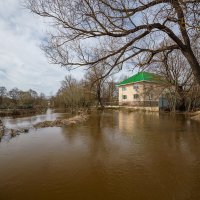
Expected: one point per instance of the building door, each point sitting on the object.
(163, 103)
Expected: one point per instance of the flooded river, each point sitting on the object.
(115, 155)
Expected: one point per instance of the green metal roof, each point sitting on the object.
(142, 76)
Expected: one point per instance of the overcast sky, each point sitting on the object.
(22, 62)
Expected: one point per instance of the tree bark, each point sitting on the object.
(99, 97)
(194, 64)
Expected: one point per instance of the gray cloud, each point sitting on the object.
(22, 63)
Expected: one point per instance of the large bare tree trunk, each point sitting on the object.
(194, 64)
(182, 103)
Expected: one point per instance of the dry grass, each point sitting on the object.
(62, 122)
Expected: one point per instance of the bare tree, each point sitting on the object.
(14, 94)
(111, 91)
(181, 86)
(33, 94)
(126, 29)
(95, 81)
(71, 94)
(99, 79)
(3, 91)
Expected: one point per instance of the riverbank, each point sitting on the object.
(194, 115)
(18, 112)
(133, 108)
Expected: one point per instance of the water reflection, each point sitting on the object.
(156, 130)
(29, 121)
(114, 155)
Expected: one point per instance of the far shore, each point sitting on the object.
(194, 115)
(18, 112)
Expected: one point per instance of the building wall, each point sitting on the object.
(140, 94)
(129, 91)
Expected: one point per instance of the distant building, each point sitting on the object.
(142, 89)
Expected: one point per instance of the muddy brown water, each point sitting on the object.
(115, 155)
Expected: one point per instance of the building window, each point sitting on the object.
(123, 88)
(136, 96)
(150, 96)
(124, 96)
(136, 87)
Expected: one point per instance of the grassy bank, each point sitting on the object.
(63, 122)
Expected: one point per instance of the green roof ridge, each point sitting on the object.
(142, 76)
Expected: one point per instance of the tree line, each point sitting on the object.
(18, 99)
(90, 91)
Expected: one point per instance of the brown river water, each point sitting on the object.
(115, 155)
